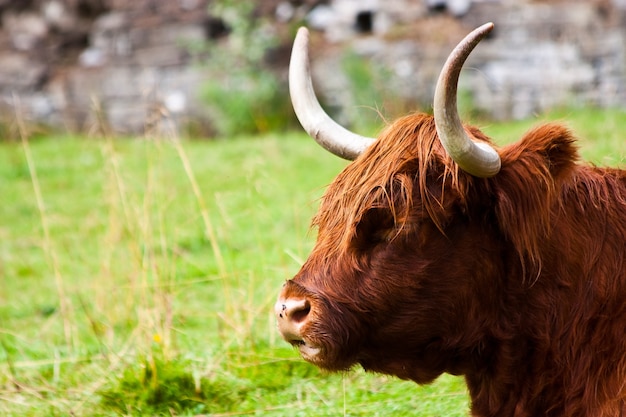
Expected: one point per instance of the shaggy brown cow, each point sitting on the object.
(438, 252)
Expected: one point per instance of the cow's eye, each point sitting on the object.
(376, 226)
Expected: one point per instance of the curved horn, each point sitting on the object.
(328, 133)
(476, 158)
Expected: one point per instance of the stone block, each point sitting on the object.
(20, 73)
(160, 56)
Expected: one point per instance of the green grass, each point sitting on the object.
(137, 277)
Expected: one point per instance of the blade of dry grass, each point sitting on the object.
(47, 244)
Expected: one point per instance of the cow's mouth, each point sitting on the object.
(308, 351)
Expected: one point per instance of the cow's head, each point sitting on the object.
(404, 233)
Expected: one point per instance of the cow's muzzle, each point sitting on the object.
(292, 315)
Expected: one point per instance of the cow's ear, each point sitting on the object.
(550, 148)
(375, 226)
(528, 185)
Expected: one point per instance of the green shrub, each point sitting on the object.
(157, 386)
(243, 94)
(373, 99)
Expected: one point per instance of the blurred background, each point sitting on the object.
(218, 67)
(138, 277)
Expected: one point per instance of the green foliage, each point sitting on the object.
(366, 90)
(370, 94)
(161, 386)
(244, 95)
(248, 101)
(158, 386)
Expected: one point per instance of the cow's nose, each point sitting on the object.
(292, 315)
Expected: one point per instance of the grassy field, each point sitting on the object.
(137, 277)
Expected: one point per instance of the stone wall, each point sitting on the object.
(542, 54)
(59, 59)
(545, 55)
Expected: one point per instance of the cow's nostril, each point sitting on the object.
(301, 314)
(294, 310)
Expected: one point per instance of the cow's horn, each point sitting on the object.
(476, 158)
(328, 133)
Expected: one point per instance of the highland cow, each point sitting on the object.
(438, 251)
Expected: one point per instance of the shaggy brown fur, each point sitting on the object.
(517, 282)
